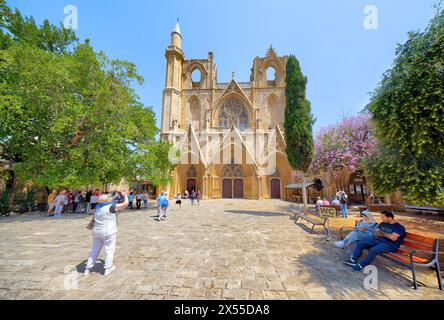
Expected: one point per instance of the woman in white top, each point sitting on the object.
(93, 201)
(59, 203)
(104, 231)
(179, 200)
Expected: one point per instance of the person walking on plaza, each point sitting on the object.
(139, 199)
(88, 201)
(104, 232)
(145, 199)
(65, 201)
(76, 206)
(59, 204)
(164, 207)
(51, 203)
(179, 200)
(198, 195)
(192, 197)
(94, 200)
(388, 238)
(159, 204)
(342, 196)
(131, 199)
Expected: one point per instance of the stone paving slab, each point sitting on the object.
(222, 249)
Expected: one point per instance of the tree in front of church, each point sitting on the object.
(407, 109)
(344, 145)
(298, 121)
(70, 116)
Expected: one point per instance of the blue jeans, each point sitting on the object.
(344, 210)
(375, 247)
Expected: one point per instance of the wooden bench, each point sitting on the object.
(293, 210)
(312, 218)
(407, 255)
(337, 208)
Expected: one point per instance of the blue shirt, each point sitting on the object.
(392, 228)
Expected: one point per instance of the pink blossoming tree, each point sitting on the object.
(344, 145)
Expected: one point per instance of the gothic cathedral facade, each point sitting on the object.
(229, 137)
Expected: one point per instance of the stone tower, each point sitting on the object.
(173, 81)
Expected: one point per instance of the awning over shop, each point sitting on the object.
(299, 185)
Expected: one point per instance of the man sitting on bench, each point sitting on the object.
(388, 238)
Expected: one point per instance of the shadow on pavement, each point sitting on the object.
(258, 213)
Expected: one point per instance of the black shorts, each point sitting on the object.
(93, 205)
(178, 201)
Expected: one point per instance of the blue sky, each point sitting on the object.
(342, 60)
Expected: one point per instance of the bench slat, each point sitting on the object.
(404, 257)
(418, 238)
(417, 245)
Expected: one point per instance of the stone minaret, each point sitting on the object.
(173, 83)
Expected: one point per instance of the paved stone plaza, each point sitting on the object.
(223, 249)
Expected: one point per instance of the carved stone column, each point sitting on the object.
(259, 189)
(205, 187)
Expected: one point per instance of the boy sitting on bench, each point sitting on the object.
(388, 238)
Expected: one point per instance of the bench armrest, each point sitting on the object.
(426, 251)
(433, 253)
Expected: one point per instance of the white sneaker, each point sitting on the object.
(108, 271)
(340, 244)
(86, 272)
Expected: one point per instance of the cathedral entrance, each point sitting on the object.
(227, 190)
(191, 185)
(275, 186)
(238, 191)
(232, 183)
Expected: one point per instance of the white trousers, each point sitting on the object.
(58, 210)
(109, 244)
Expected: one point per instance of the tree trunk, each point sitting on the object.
(304, 193)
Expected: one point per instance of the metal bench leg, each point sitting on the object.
(415, 284)
(326, 230)
(438, 274)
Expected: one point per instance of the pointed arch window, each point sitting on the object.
(195, 113)
(272, 109)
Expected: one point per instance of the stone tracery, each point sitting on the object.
(232, 113)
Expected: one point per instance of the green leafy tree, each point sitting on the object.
(408, 108)
(70, 116)
(298, 120)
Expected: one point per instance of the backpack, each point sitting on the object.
(343, 198)
(165, 202)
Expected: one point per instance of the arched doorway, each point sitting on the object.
(227, 190)
(238, 190)
(232, 183)
(275, 186)
(191, 179)
(191, 185)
